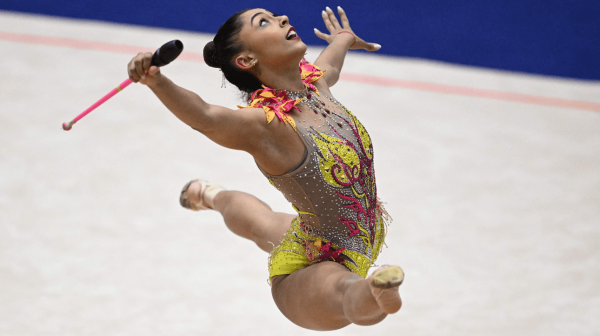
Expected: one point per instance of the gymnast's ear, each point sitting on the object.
(245, 61)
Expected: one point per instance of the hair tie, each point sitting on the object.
(345, 31)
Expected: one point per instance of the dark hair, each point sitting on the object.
(220, 53)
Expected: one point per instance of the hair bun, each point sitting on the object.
(210, 55)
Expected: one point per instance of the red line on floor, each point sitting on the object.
(350, 77)
(89, 45)
(471, 92)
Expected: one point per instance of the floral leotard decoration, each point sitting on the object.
(280, 104)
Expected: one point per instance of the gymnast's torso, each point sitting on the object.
(333, 188)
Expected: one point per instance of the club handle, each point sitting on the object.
(163, 56)
(167, 53)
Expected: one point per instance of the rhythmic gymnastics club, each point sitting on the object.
(162, 56)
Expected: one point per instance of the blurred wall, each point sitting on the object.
(550, 37)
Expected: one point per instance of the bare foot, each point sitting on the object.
(384, 284)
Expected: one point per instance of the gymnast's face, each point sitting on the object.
(269, 40)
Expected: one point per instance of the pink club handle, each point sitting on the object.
(161, 57)
(119, 88)
(109, 95)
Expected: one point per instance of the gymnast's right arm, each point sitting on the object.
(235, 129)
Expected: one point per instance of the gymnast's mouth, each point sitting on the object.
(292, 34)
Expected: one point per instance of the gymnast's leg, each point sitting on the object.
(248, 217)
(244, 214)
(327, 296)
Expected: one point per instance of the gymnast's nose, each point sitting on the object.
(283, 20)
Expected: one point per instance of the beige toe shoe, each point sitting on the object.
(206, 195)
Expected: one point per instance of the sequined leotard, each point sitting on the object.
(333, 189)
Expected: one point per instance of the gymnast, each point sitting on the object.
(312, 149)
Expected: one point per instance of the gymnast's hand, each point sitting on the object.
(335, 30)
(141, 70)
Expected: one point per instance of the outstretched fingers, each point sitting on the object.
(335, 28)
(327, 21)
(321, 35)
(343, 17)
(372, 46)
(333, 19)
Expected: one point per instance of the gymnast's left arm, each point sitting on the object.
(340, 39)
